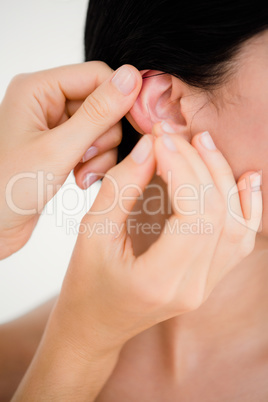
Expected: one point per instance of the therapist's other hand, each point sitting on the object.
(51, 122)
(117, 294)
(109, 295)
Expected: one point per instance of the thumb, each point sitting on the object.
(101, 110)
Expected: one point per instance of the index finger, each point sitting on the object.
(50, 89)
(77, 81)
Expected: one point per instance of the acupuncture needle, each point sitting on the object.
(153, 75)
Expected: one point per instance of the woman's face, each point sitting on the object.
(237, 118)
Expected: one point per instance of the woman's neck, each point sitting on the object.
(234, 317)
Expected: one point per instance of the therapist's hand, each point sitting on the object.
(120, 294)
(51, 122)
(109, 295)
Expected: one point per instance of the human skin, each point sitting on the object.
(235, 114)
(218, 352)
(60, 114)
(48, 121)
(19, 340)
(105, 299)
(196, 355)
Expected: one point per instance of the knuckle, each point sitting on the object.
(163, 295)
(18, 80)
(235, 232)
(111, 157)
(246, 247)
(101, 71)
(110, 139)
(95, 109)
(106, 163)
(191, 302)
(155, 297)
(116, 135)
(193, 295)
(101, 65)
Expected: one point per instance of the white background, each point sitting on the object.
(35, 35)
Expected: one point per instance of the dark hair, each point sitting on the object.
(194, 41)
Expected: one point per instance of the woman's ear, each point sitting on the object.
(159, 99)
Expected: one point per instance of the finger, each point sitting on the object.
(109, 140)
(100, 111)
(72, 106)
(76, 81)
(189, 181)
(221, 173)
(187, 150)
(251, 201)
(124, 183)
(174, 154)
(48, 90)
(95, 169)
(251, 204)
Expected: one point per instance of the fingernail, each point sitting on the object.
(207, 141)
(255, 181)
(89, 179)
(167, 127)
(125, 80)
(142, 149)
(90, 153)
(169, 143)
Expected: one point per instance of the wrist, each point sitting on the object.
(88, 342)
(65, 368)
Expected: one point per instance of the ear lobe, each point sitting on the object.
(157, 101)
